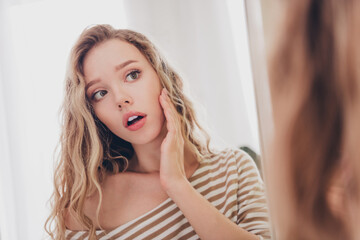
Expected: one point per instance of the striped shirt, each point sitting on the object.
(229, 180)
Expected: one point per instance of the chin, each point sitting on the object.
(154, 134)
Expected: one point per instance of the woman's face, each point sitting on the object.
(124, 91)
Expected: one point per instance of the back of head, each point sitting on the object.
(315, 86)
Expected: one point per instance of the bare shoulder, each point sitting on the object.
(114, 184)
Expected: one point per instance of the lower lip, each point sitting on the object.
(137, 125)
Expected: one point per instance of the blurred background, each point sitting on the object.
(207, 41)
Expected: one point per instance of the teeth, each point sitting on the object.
(132, 118)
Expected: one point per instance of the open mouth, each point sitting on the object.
(134, 119)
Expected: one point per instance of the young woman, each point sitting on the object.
(134, 161)
(315, 83)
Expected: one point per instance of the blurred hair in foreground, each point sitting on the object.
(314, 167)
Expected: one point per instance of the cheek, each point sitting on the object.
(103, 114)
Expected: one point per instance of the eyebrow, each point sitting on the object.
(117, 68)
(124, 64)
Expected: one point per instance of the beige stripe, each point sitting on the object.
(246, 184)
(233, 215)
(265, 233)
(143, 219)
(221, 162)
(154, 223)
(248, 174)
(221, 192)
(177, 231)
(249, 227)
(71, 234)
(223, 187)
(224, 192)
(212, 163)
(221, 205)
(252, 186)
(260, 201)
(221, 155)
(244, 158)
(196, 175)
(166, 227)
(246, 192)
(249, 169)
(256, 209)
(229, 206)
(256, 196)
(111, 238)
(82, 237)
(214, 178)
(188, 235)
(100, 235)
(200, 175)
(243, 162)
(254, 219)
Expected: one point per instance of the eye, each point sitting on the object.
(99, 95)
(133, 75)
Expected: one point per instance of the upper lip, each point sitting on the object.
(130, 114)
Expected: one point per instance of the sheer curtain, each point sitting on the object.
(8, 229)
(205, 40)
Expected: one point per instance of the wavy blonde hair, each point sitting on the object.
(315, 83)
(88, 149)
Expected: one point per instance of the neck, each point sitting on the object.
(147, 157)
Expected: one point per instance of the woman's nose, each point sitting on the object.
(123, 99)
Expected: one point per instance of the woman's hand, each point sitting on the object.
(206, 220)
(172, 171)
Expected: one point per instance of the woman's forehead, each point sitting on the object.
(113, 49)
(110, 54)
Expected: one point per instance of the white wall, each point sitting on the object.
(39, 37)
(200, 38)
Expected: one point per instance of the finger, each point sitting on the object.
(168, 107)
(169, 111)
(165, 94)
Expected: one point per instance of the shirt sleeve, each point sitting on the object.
(253, 213)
